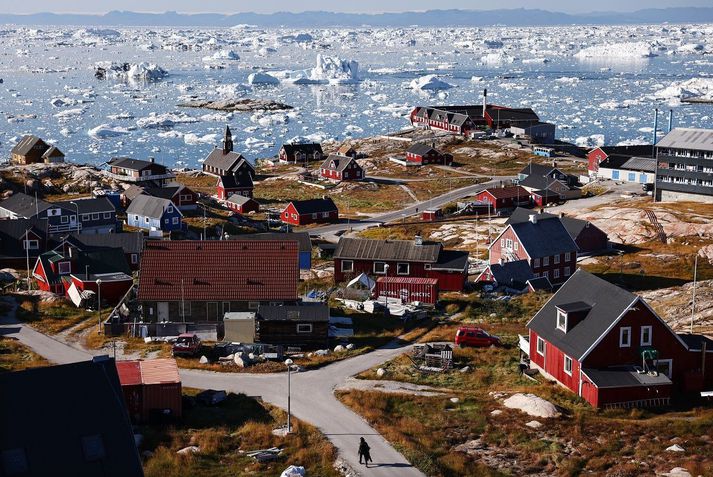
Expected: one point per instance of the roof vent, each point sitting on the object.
(418, 240)
(533, 218)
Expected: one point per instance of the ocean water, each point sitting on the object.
(49, 88)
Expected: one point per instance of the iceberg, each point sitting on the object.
(695, 87)
(104, 131)
(126, 71)
(429, 83)
(617, 51)
(262, 78)
(193, 139)
(329, 70)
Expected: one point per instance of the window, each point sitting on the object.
(184, 308)
(646, 336)
(566, 271)
(30, 244)
(136, 218)
(64, 268)
(380, 268)
(325, 215)
(175, 221)
(556, 273)
(561, 320)
(85, 217)
(169, 209)
(540, 346)
(568, 365)
(545, 261)
(536, 262)
(314, 216)
(166, 221)
(546, 274)
(134, 258)
(107, 215)
(95, 216)
(557, 259)
(64, 219)
(347, 265)
(253, 305)
(567, 257)
(625, 337)
(427, 266)
(502, 243)
(146, 219)
(508, 243)
(516, 246)
(304, 328)
(402, 269)
(294, 216)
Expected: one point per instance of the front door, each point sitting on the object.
(162, 311)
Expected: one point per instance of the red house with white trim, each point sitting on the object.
(608, 346)
(423, 154)
(241, 204)
(241, 184)
(504, 199)
(341, 168)
(313, 211)
(401, 258)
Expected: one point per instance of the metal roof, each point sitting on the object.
(24, 205)
(340, 162)
(646, 164)
(408, 280)
(88, 206)
(314, 312)
(149, 206)
(624, 377)
(406, 250)
(26, 144)
(688, 138)
(313, 206)
(151, 371)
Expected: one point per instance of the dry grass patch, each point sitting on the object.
(14, 356)
(51, 318)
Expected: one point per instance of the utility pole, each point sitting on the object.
(27, 256)
(693, 303)
(288, 363)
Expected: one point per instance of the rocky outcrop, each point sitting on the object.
(239, 105)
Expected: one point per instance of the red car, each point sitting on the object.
(187, 344)
(475, 337)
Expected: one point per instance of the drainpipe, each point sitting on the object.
(656, 124)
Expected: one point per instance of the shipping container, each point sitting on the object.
(408, 289)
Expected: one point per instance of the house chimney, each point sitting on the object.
(485, 100)
(561, 215)
(152, 160)
(670, 120)
(554, 164)
(533, 218)
(418, 240)
(501, 261)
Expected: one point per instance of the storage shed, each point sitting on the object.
(408, 289)
(152, 389)
(239, 327)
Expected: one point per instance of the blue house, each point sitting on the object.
(154, 213)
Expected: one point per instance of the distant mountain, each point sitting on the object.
(430, 18)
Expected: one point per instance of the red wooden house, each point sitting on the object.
(297, 153)
(588, 237)
(504, 199)
(401, 258)
(241, 204)
(608, 346)
(599, 154)
(545, 244)
(241, 184)
(151, 388)
(341, 168)
(423, 154)
(313, 211)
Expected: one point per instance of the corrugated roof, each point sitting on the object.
(230, 270)
(646, 164)
(151, 371)
(26, 144)
(149, 206)
(314, 312)
(406, 250)
(340, 162)
(688, 138)
(133, 164)
(421, 149)
(408, 280)
(508, 192)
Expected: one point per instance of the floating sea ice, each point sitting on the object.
(104, 131)
(165, 120)
(618, 51)
(429, 83)
(193, 139)
(694, 87)
(262, 78)
(232, 90)
(595, 140)
(222, 55)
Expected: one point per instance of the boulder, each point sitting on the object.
(496, 412)
(455, 400)
(203, 360)
(339, 349)
(675, 448)
(350, 346)
(321, 352)
(531, 405)
(471, 447)
(677, 472)
(534, 424)
(380, 372)
(294, 471)
(189, 450)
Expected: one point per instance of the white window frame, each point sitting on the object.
(567, 256)
(567, 271)
(95, 216)
(536, 262)
(64, 219)
(562, 326)
(670, 366)
(650, 329)
(541, 344)
(556, 273)
(86, 217)
(31, 244)
(567, 360)
(304, 328)
(557, 259)
(625, 330)
(351, 266)
(408, 268)
(175, 221)
(107, 215)
(545, 261)
(315, 215)
(147, 220)
(515, 246)
(382, 272)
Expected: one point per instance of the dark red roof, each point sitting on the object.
(152, 371)
(507, 192)
(220, 270)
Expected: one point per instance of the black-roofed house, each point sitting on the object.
(588, 237)
(223, 161)
(401, 258)
(137, 171)
(305, 325)
(512, 277)
(95, 215)
(70, 271)
(131, 243)
(422, 154)
(609, 347)
(154, 214)
(301, 152)
(183, 197)
(548, 184)
(341, 168)
(83, 430)
(240, 183)
(312, 211)
(544, 244)
(21, 241)
(33, 150)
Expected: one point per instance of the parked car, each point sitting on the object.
(187, 344)
(475, 337)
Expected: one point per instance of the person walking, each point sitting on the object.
(364, 452)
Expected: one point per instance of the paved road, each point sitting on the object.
(413, 209)
(312, 393)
